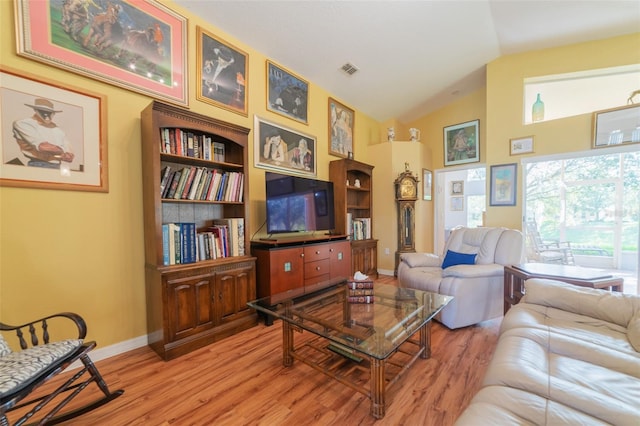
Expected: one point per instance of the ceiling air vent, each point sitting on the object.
(349, 68)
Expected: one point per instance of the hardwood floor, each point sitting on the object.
(241, 381)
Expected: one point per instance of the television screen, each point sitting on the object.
(296, 204)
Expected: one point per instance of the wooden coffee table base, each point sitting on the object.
(340, 368)
(516, 275)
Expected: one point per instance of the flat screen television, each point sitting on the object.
(297, 204)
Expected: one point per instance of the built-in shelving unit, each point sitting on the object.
(197, 299)
(353, 192)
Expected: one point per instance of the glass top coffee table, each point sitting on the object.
(364, 346)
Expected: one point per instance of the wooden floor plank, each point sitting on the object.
(241, 381)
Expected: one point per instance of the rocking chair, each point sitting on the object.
(21, 372)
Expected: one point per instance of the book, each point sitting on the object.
(188, 183)
(235, 234)
(164, 177)
(361, 292)
(174, 243)
(223, 180)
(189, 144)
(187, 242)
(175, 181)
(165, 244)
(206, 148)
(360, 299)
(183, 180)
(207, 185)
(195, 184)
(165, 144)
(218, 151)
(356, 284)
(167, 188)
(241, 250)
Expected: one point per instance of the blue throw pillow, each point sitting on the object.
(453, 258)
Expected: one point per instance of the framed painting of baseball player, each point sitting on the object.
(222, 73)
(138, 45)
(52, 137)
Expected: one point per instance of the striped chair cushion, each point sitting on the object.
(4, 347)
(17, 369)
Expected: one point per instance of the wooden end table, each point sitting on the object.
(516, 275)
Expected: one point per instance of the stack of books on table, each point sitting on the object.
(360, 291)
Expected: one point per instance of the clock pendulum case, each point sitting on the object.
(406, 186)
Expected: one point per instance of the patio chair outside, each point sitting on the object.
(539, 250)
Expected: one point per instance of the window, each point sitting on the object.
(591, 202)
(566, 95)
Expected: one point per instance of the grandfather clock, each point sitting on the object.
(406, 195)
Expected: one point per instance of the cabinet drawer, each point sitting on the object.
(313, 269)
(324, 278)
(316, 252)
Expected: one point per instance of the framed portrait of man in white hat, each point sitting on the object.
(51, 137)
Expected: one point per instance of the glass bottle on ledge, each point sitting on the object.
(537, 110)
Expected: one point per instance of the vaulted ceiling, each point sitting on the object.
(412, 56)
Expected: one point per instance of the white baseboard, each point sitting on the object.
(99, 353)
(385, 272)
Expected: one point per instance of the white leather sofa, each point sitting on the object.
(566, 355)
(477, 288)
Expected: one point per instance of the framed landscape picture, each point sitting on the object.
(462, 143)
(287, 94)
(341, 122)
(503, 185)
(222, 73)
(138, 45)
(53, 136)
(282, 149)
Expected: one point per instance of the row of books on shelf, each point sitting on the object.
(179, 142)
(183, 243)
(359, 228)
(360, 291)
(200, 183)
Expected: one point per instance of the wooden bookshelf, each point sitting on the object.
(353, 193)
(198, 301)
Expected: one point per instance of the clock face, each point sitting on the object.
(407, 189)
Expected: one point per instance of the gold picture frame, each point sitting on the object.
(222, 72)
(287, 94)
(523, 145)
(341, 126)
(150, 59)
(616, 126)
(75, 120)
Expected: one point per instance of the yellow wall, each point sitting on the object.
(389, 160)
(467, 108)
(505, 98)
(83, 251)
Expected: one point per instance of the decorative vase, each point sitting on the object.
(538, 110)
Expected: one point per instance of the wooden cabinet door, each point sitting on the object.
(340, 258)
(287, 269)
(365, 257)
(189, 307)
(233, 289)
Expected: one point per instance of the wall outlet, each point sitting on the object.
(386, 251)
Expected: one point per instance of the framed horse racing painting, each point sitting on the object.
(137, 45)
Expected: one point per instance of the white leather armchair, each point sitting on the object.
(477, 288)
